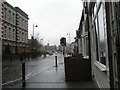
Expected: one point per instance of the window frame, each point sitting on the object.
(96, 40)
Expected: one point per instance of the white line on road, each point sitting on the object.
(26, 77)
(29, 75)
(38, 72)
(5, 68)
(16, 80)
(11, 81)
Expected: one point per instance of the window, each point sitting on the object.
(98, 1)
(5, 13)
(100, 27)
(13, 34)
(9, 34)
(22, 36)
(102, 46)
(4, 34)
(19, 21)
(94, 10)
(10, 16)
(13, 17)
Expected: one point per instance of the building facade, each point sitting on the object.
(74, 48)
(14, 29)
(99, 44)
(82, 36)
(1, 1)
(50, 48)
(0, 30)
(22, 30)
(8, 26)
(101, 22)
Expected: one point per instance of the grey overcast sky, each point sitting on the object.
(55, 18)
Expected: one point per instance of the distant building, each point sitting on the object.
(30, 45)
(59, 48)
(51, 48)
(83, 38)
(74, 48)
(33, 45)
(14, 28)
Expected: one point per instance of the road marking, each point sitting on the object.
(11, 81)
(27, 76)
(5, 68)
(16, 80)
(38, 72)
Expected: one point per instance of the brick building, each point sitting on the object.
(14, 25)
(50, 48)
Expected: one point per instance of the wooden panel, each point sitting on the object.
(77, 69)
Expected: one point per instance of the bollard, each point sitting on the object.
(23, 71)
(23, 74)
(56, 61)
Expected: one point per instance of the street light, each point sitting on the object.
(33, 44)
(33, 29)
(69, 42)
(69, 37)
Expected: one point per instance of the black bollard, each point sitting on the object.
(23, 71)
(56, 61)
(23, 74)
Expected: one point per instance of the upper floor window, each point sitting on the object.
(4, 31)
(5, 13)
(94, 10)
(9, 34)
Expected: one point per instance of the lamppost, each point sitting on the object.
(69, 43)
(33, 40)
(69, 37)
(33, 29)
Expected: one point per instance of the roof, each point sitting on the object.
(10, 6)
(82, 18)
(21, 12)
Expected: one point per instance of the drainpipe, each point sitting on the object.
(118, 43)
(108, 22)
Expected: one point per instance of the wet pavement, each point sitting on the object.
(42, 73)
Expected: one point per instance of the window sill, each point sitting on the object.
(100, 66)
